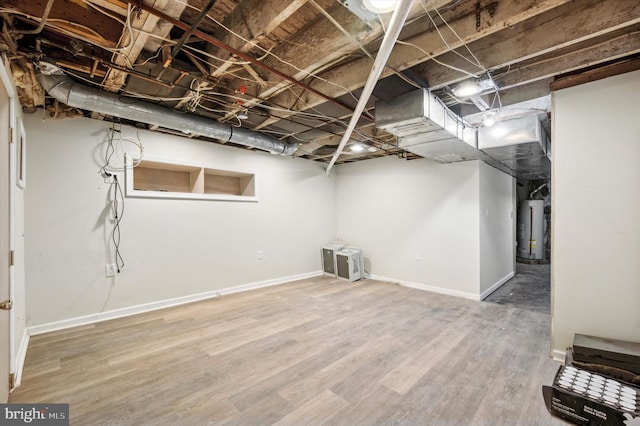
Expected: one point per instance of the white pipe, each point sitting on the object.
(395, 26)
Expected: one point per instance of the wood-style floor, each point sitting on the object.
(317, 351)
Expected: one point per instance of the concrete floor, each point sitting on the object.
(529, 289)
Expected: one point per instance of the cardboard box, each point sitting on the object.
(580, 401)
(608, 352)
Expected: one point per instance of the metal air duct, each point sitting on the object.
(520, 144)
(426, 127)
(80, 96)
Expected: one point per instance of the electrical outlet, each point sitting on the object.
(418, 256)
(259, 254)
(110, 270)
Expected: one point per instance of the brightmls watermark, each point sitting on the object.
(34, 414)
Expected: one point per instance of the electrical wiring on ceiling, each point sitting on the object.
(268, 52)
(206, 95)
(433, 58)
(128, 92)
(465, 44)
(474, 62)
(51, 22)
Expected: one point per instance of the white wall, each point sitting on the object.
(171, 248)
(416, 221)
(497, 228)
(596, 211)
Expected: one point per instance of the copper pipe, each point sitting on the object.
(209, 39)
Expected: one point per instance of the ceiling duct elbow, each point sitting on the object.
(426, 127)
(76, 95)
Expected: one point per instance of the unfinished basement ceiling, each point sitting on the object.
(294, 69)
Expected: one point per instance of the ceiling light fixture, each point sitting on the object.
(242, 115)
(358, 147)
(489, 119)
(380, 6)
(466, 89)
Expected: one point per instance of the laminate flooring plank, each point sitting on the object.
(264, 411)
(314, 412)
(316, 351)
(405, 375)
(241, 337)
(371, 410)
(243, 399)
(299, 392)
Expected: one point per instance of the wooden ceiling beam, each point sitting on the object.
(76, 18)
(142, 23)
(350, 76)
(619, 47)
(564, 26)
(302, 50)
(115, 6)
(596, 74)
(253, 20)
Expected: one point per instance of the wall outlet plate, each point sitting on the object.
(110, 270)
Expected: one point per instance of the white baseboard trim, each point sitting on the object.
(20, 357)
(161, 304)
(425, 287)
(497, 285)
(559, 355)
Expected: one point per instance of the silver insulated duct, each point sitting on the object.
(426, 127)
(80, 96)
(520, 144)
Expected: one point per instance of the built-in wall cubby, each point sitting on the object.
(154, 178)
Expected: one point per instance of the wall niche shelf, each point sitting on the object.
(157, 178)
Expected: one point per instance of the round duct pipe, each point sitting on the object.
(77, 95)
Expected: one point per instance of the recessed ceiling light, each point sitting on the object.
(466, 89)
(358, 147)
(380, 6)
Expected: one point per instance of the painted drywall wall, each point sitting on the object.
(171, 248)
(596, 210)
(416, 221)
(17, 271)
(497, 237)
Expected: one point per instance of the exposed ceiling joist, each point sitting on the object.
(252, 21)
(143, 25)
(621, 46)
(348, 76)
(543, 35)
(320, 53)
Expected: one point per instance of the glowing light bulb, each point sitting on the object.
(380, 6)
(466, 89)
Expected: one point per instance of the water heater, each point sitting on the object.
(531, 229)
